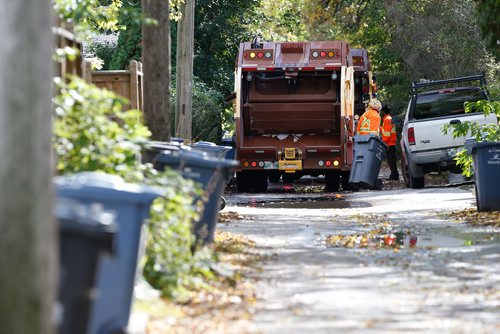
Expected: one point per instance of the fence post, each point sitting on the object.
(87, 71)
(134, 85)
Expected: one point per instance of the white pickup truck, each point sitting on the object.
(424, 146)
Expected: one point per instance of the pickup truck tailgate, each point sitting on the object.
(429, 134)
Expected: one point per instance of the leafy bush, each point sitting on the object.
(481, 132)
(208, 112)
(103, 51)
(92, 133)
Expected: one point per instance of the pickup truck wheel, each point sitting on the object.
(404, 169)
(332, 181)
(415, 182)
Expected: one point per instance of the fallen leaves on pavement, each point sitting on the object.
(483, 218)
(226, 306)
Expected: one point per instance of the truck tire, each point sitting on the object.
(332, 181)
(344, 178)
(274, 176)
(288, 177)
(259, 181)
(415, 182)
(410, 180)
(242, 182)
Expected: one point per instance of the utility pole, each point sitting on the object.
(28, 241)
(156, 69)
(184, 74)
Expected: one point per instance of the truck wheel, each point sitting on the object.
(404, 171)
(332, 181)
(415, 182)
(242, 182)
(288, 177)
(344, 177)
(259, 182)
(274, 177)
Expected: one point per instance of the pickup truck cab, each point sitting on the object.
(424, 146)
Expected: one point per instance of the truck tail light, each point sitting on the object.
(336, 163)
(411, 135)
(254, 164)
(328, 163)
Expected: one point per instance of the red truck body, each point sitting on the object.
(294, 112)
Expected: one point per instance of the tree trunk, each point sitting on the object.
(156, 69)
(28, 246)
(184, 73)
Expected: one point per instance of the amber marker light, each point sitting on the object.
(252, 54)
(336, 163)
(246, 164)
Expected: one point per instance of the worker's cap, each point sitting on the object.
(375, 104)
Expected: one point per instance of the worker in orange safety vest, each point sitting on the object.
(388, 132)
(369, 122)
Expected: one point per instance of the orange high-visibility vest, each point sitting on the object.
(369, 123)
(388, 131)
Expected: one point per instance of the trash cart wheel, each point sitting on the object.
(379, 184)
(222, 203)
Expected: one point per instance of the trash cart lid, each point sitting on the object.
(215, 150)
(192, 158)
(89, 222)
(367, 138)
(98, 186)
(484, 144)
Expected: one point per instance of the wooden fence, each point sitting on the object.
(64, 37)
(127, 83)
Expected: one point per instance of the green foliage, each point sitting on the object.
(220, 27)
(129, 41)
(104, 51)
(89, 15)
(92, 133)
(208, 112)
(489, 20)
(480, 132)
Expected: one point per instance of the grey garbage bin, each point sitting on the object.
(116, 276)
(85, 233)
(210, 173)
(212, 149)
(152, 148)
(369, 151)
(486, 157)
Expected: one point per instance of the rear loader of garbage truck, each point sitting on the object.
(294, 112)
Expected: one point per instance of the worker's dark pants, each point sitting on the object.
(391, 161)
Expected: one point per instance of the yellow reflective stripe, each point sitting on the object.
(393, 130)
(386, 133)
(365, 125)
(374, 132)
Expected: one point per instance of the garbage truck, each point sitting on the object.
(294, 112)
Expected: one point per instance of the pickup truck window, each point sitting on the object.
(446, 102)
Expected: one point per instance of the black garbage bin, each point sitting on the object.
(84, 234)
(369, 151)
(210, 173)
(486, 157)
